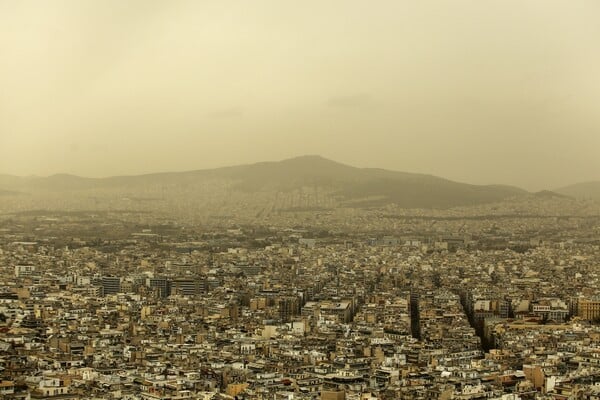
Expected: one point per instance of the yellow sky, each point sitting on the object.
(493, 91)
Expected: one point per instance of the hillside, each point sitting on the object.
(585, 190)
(350, 185)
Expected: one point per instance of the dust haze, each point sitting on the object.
(502, 92)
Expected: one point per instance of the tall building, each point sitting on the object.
(110, 285)
(288, 306)
(188, 286)
(162, 286)
(589, 309)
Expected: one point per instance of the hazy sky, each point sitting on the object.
(493, 91)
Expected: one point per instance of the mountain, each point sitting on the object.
(348, 185)
(585, 190)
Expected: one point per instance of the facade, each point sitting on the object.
(188, 286)
(24, 270)
(589, 310)
(162, 286)
(110, 285)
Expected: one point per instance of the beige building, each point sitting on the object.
(589, 309)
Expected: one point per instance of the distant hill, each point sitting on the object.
(375, 186)
(585, 190)
(356, 186)
(548, 194)
(8, 193)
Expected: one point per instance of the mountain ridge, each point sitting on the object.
(347, 184)
(582, 190)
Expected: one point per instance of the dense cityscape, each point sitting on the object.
(299, 200)
(492, 301)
